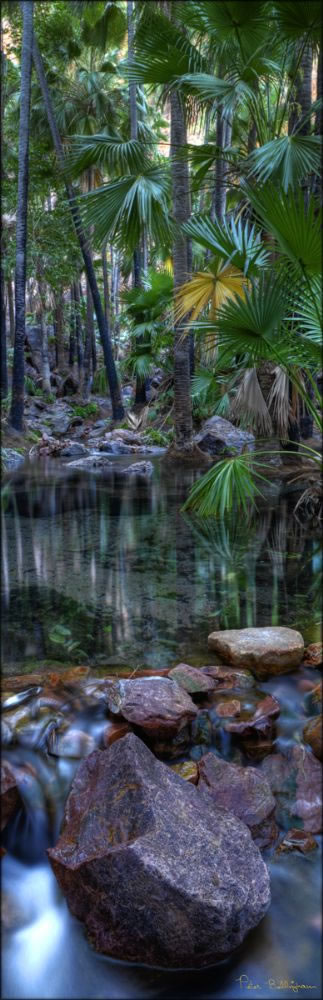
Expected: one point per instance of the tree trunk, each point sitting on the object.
(140, 395)
(319, 113)
(88, 343)
(71, 355)
(4, 368)
(18, 374)
(11, 311)
(115, 392)
(45, 366)
(59, 338)
(302, 95)
(106, 295)
(78, 335)
(179, 169)
(218, 196)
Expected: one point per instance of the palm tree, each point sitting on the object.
(18, 374)
(113, 381)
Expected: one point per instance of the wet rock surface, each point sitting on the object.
(266, 651)
(227, 678)
(157, 705)
(312, 734)
(295, 779)
(191, 679)
(297, 840)
(244, 792)
(10, 795)
(11, 459)
(157, 874)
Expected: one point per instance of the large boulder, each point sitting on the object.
(158, 875)
(220, 438)
(157, 705)
(243, 791)
(268, 650)
(10, 795)
(295, 779)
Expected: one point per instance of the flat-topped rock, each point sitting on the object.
(268, 650)
(158, 874)
(242, 790)
(295, 779)
(156, 704)
(191, 679)
(226, 678)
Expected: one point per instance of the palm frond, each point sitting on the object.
(116, 155)
(121, 210)
(249, 404)
(308, 311)
(230, 483)
(209, 289)
(288, 160)
(299, 20)
(240, 243)
(295, 225)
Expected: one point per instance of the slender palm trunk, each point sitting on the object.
(115, 392)
(106, 294)
(88, 343)
(4, 368)
(11, 311)
(78, 334)
(140, 395)
(71, 355)
(18, 374)
(45, 366)
(218, 197)
(59, 334)
(182, 394)
(302, 97)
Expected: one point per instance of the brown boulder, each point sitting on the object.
(158, 875)
(313, 655)
(268, 650)
(295, 779)
(243, 791)
(191, 679)
(157, 705)
(312, 734)
(10, 795)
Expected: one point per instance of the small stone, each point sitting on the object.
(141, 469)
(191, 679)
(187, 770)
(269, 650)
(297, 840)
(74, 449)
(228, 708)
(313, 700)
(71, 743)
(313, 655)
(10, 795)
(242, 790)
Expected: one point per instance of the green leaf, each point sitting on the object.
(230, 483)
(288, 160)
(236, 241)
(295, 225)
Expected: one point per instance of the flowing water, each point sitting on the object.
(112, 575)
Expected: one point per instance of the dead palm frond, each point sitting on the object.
(278, 401)
(138, 421)
(250, 405)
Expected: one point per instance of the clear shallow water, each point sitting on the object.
(137, 583)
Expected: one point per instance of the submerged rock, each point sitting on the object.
(158, 875)
(295, 779)
(229, 678)
(191, 679)
(74, 449)
(141, 469)
(312, 734)
(243, 791)
(188, 770)
(297, 840)
(157, 705)
(95, 461)
(11, 459)
(10, 795)
(268, 650)
(313, 700)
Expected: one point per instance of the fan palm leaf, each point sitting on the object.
(209, 289)
(288, 160)
(121, 210)
(250, 404)
(238, 242)
(229, 483)
(116, 155)
(295, 225)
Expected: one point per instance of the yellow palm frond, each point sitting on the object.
(208, 289)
